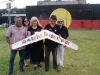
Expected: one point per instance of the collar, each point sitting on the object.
(20, 27)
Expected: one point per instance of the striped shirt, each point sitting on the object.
(16, 34)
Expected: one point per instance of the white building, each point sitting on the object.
(60, 2)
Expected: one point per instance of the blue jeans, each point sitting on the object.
(12, 57)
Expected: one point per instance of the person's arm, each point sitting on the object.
(8, 35)
(8, 40)
(28, 33)
(59, 32)
(67, 34)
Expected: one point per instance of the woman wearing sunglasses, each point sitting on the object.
(60, 49)
(27, 53)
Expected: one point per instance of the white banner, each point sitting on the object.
(44, 34)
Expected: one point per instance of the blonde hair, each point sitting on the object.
(61, 19)
(35, 19)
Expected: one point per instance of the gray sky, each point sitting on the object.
(23, 3)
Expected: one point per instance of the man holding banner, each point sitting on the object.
(51, 45)
(14, 34)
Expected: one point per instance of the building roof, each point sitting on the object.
(61, 2)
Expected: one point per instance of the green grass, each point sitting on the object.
(84, 61)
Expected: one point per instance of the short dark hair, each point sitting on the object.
(53, 17)
(17, 17)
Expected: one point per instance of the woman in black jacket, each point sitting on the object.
(60, 49)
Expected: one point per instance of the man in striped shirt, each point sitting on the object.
(14, 34)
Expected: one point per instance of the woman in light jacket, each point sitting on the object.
(64, 34)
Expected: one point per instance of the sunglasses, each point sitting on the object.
(25, 21)
(60, 21)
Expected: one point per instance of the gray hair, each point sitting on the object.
(17, 17)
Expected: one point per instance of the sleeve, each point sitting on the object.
(67, 34)
(8, 33)
(59, 33)
(45, 27)
(40, 28)
(29, 29)
(26, 33)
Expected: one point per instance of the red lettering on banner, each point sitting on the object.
(62, 40)
(58, 38)
(45, 34)
(34, 38)
(39, 36)
(23, 41)
(54, 37)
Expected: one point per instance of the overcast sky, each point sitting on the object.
(23, 3)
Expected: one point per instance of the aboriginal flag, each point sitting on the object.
(84, 16)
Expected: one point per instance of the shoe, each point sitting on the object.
(39, 65)
(36, 68)
(57, 70)
(26, 65)
(22, 70)
(62, 65)
(46, 70)
(9, 73)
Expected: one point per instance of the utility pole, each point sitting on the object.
(9, 17)
(8, 4)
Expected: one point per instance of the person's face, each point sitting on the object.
(26, 22)
(34, 23)
(60, 22)
(53, 21)
(18, 22)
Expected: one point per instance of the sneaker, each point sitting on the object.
(62, 65)
(39, 65)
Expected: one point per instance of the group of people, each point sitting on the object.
(34, 52)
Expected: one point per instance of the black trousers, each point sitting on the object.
(47, 54)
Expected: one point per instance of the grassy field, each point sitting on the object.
(84, 61)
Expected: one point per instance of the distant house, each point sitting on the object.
(14, 12)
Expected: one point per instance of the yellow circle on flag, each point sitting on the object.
(64, 14)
